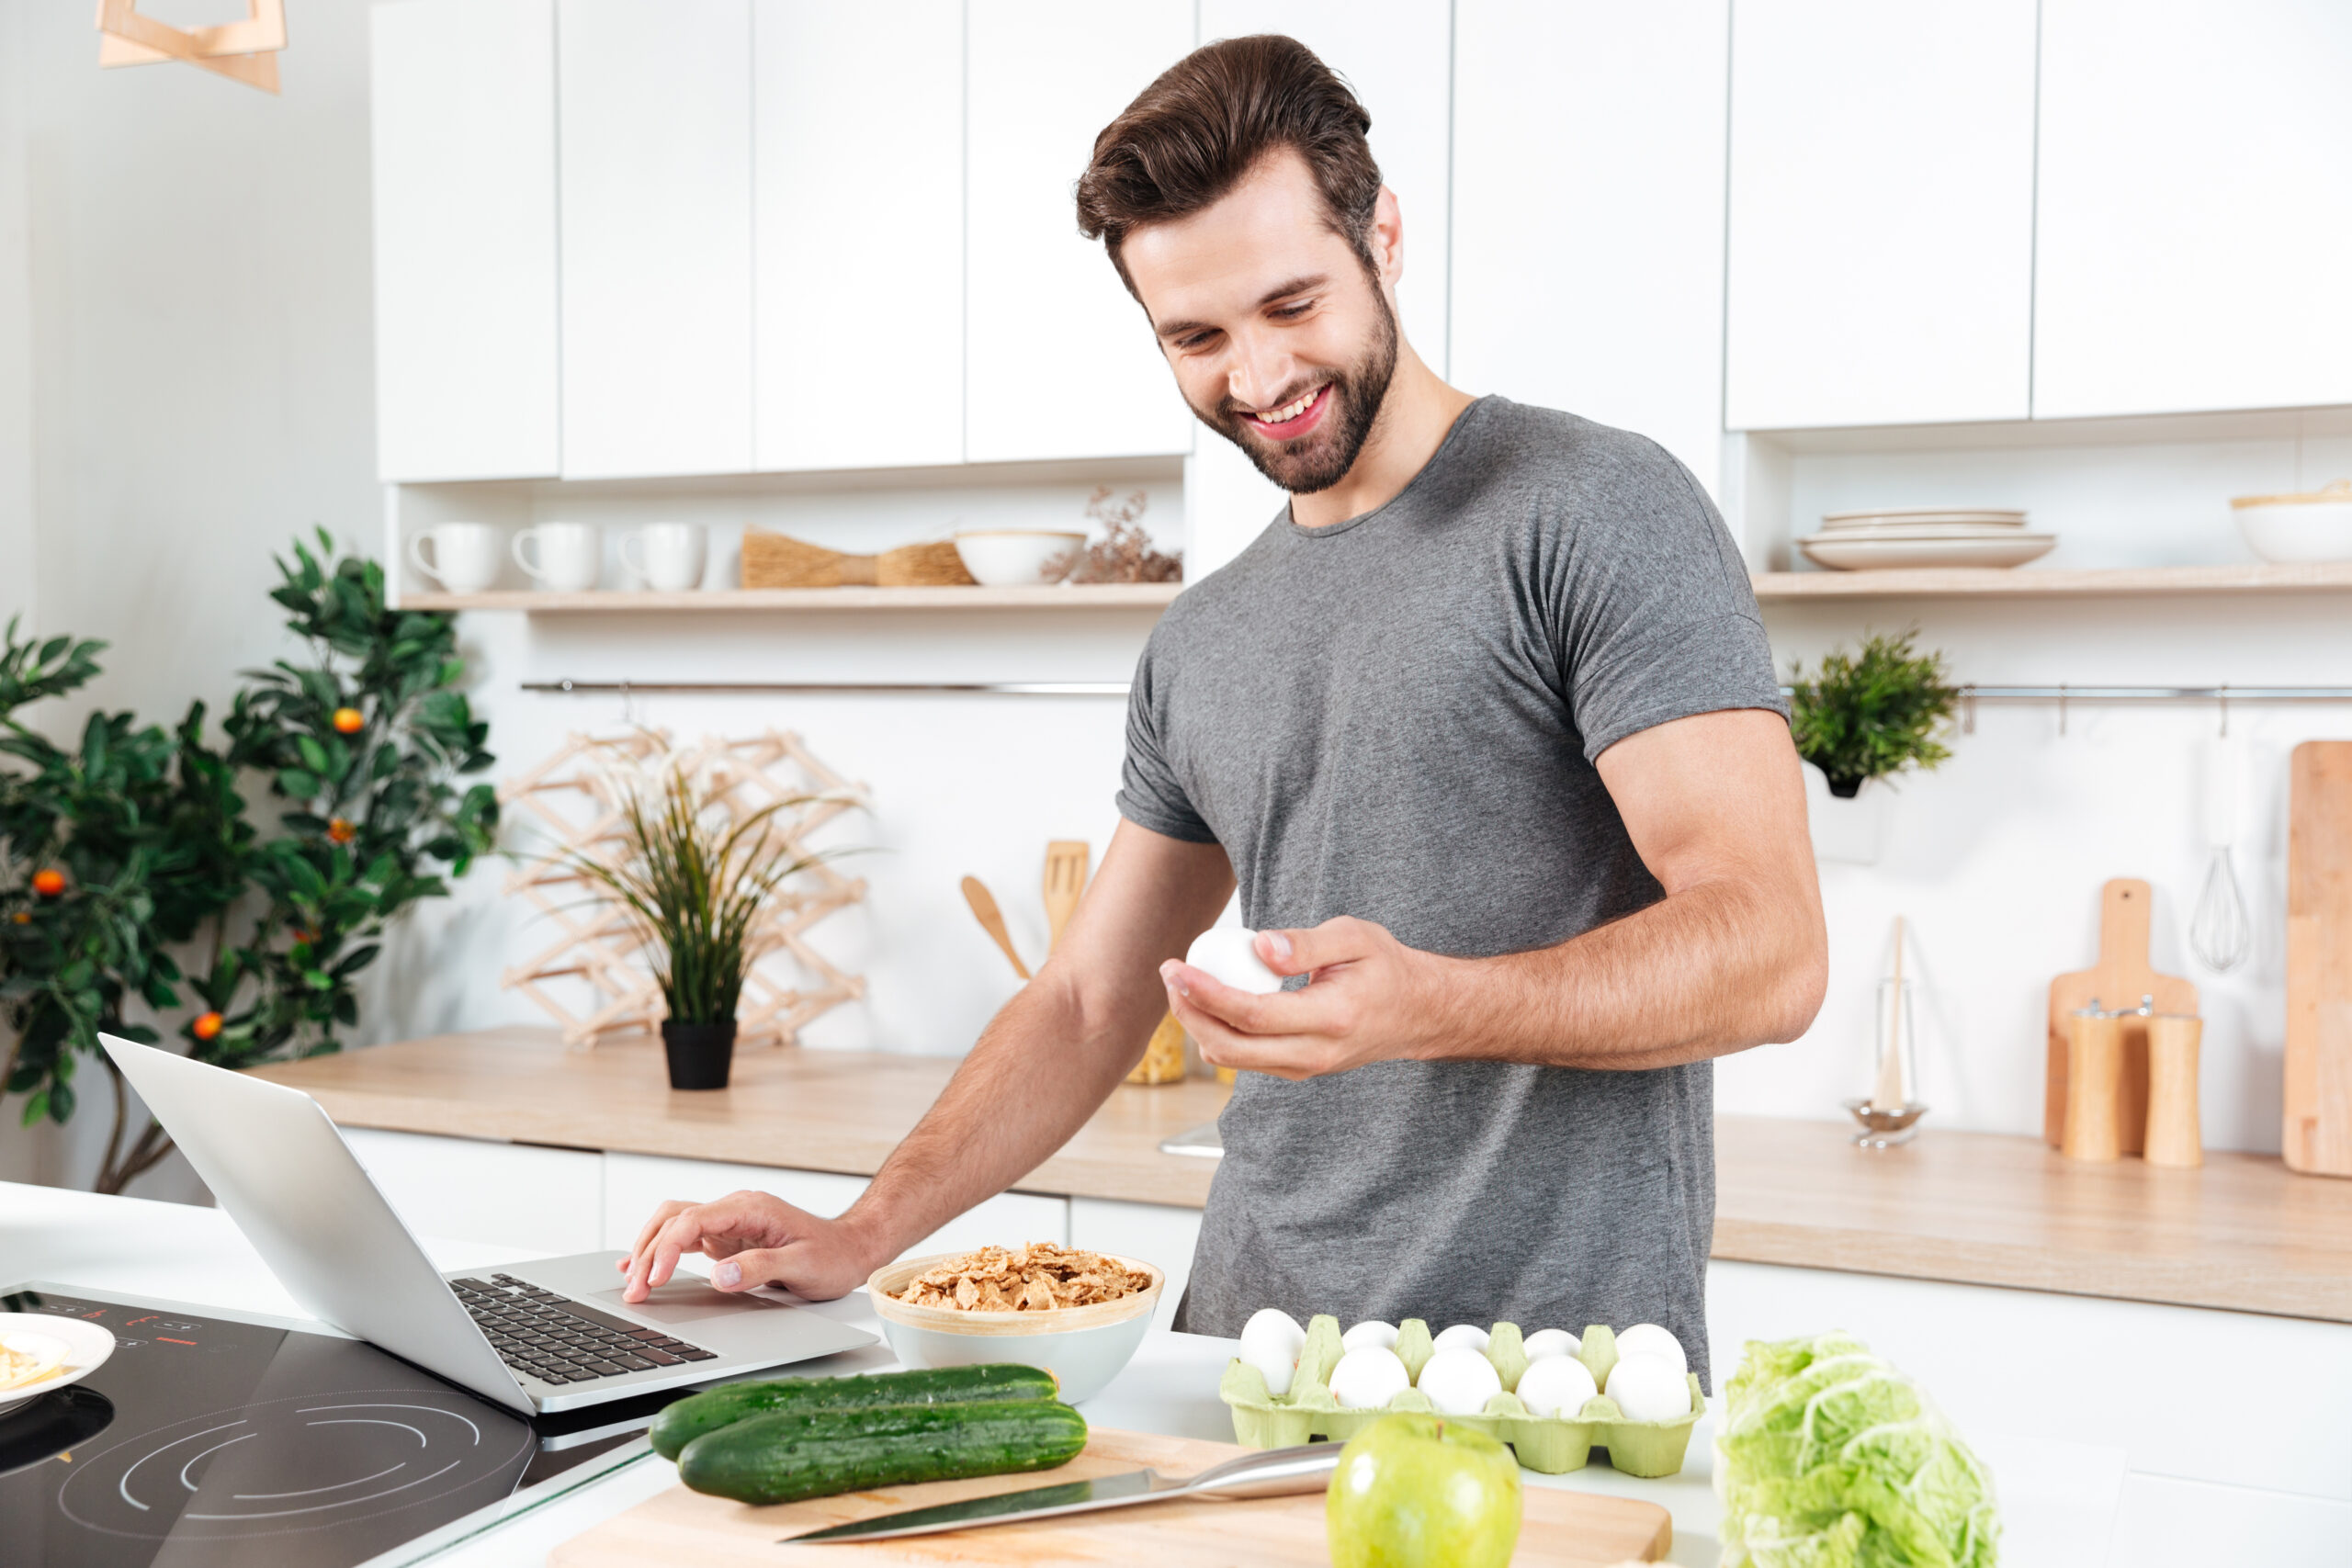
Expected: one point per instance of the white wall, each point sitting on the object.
(15, 336)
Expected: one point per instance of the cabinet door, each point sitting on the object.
(1157, 1234)
(1395, 53)
(1882, 212)
(1060, 362)
(858, 195)
(462, 96)
(637, 1184)
(2195, 234)
(656, 139)
(534, 1199)
(1588, 212)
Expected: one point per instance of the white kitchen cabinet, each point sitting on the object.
(655, 137)
(532, 1199)
(1158, 1234)
(1588, 212)
(1881, 208)
(1059, 361)
(462, 103)
(634, 1185)
(858, 200)
(2194, 232)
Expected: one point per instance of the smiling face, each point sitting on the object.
(1281, 338)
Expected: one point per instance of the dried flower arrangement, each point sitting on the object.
(1123, 553)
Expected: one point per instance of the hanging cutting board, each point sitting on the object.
(684, 1530)
(2121, 978)
(2318, 1131)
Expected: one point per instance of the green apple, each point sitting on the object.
(1422, 1492)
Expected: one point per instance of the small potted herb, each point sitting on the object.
(698, 883)
(1859, 720)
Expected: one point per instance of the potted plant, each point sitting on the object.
(698, 882)
(1863, 718)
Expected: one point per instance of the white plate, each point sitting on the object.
(87, 1346)
(1924, 514)
(1879, 555)
(1923, 531)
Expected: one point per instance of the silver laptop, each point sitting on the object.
(533, 1336)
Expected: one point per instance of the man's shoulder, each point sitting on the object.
(1553, 447)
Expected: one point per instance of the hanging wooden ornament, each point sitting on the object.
(243, 51)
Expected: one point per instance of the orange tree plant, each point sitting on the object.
(130, 860)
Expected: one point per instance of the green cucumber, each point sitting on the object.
(690, 1417)
(785, 1456)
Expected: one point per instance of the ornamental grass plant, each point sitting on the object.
(1873, 714)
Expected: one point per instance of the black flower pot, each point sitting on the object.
(699, 1054)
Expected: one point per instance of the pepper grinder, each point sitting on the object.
(2094, 1129)
(2173, 1138)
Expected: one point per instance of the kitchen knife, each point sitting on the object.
(1276, 1472)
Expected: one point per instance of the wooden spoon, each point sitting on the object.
(1067, 860)
(991, 921)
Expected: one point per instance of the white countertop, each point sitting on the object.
(2058, 1499)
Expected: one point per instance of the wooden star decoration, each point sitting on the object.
(243, 51)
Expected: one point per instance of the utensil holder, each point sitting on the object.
(1163, 1059)
(2094, 1129)
(2174, 1136)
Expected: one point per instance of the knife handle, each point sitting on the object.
(1277, 1472)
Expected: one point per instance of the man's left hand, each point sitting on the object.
(1371, 998)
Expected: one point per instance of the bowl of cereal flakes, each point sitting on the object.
(1077, 1314)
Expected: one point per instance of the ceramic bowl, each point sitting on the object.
(2314, 527)
(87, 1346)
(1084, 1347)
(1018, 557)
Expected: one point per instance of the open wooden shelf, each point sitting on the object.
(1102, 596)
(2027, 583)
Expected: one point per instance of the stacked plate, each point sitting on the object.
(1875, 541)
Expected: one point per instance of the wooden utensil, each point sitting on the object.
(779, 560)
(2318, 1131)
(991, 921)
(684, 1530)
(2121, 979)
(1067, 861)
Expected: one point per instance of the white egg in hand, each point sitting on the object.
(1459, 1380)
(1649, 1388)
(1226, 952)
(1462, 1333)
(1370, 1331)
(1270, 1342)
(1556, 1385)
(1650, 1339)
(1368, 1377)
(1552, 1342)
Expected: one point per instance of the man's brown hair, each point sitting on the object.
(1190, 137)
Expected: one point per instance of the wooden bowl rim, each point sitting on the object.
(892, 1277)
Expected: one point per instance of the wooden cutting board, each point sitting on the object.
(2121, 978)
(2318, 1131)
(1558, 1530)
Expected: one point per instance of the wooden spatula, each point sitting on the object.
(991, 921)
(1067, 861)
(2122, 978)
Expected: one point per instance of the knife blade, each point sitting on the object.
(1272, 1473)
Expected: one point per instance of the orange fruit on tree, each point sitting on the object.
(349, 721)
(206, 1026)
(342, 832)
(49, 881)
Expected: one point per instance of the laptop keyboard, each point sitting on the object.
(559, 1340)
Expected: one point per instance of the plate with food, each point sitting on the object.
(1079, 1315)
(39, 1351)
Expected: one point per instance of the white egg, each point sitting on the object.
(1552, 1342)
(1459, 1380)
(1270, 1342)
(1367, 1378)
(1649, 1388)
(1462, 1333)
(1650, 1339)
(1370, 1331)
(1556, 1385)
(1226, 953)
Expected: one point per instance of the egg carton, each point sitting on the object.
(1549, 1445)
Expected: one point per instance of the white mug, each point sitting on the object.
(465, 557)
(669, 556)
(571, 556)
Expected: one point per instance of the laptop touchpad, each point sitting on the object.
(685, 1301)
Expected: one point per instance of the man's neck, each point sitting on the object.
(1414, 417)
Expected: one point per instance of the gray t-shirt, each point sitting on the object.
(1395, 717)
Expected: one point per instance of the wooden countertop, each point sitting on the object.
(2241, 1233)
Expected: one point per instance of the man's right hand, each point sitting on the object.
(760, 1240)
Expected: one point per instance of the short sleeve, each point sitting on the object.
(1150, 796)
(1656, 616)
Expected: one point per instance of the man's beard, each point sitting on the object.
(1323, 458)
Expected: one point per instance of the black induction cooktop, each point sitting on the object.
(211, 1439)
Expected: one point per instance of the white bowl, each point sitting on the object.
(2313, 526)
(1083, 1347)
(87, 1346)
(1018, 557)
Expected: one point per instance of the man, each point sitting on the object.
(1486, 728)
